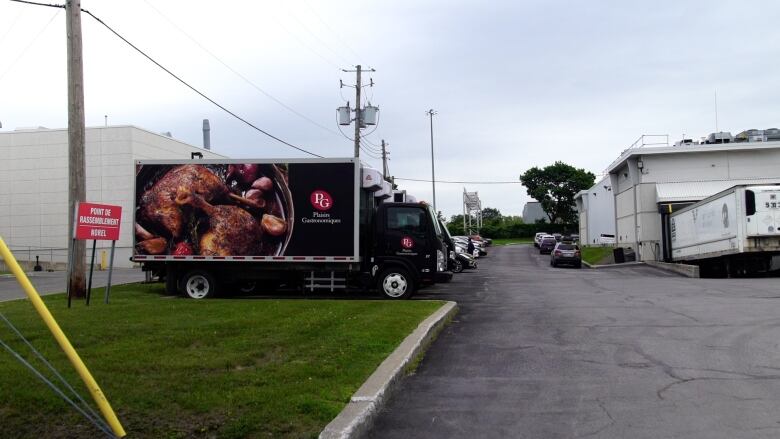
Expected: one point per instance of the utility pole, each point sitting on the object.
(76, 166)
(384, 160)
(433, 174)
(357, 114)
(360, 121)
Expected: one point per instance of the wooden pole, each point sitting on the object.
(76, 165)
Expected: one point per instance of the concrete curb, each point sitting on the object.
(625, 264)
(686, 270)
(359, 415)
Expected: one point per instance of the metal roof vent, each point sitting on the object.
(719, 137)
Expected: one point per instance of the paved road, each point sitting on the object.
(54, 282)
(538, 352)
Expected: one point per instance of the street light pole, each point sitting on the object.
(430, 113)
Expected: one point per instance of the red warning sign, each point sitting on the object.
(98, 221)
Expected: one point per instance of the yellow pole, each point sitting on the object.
(89, 381)
(103, 262)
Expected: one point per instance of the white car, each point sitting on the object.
(538, 238)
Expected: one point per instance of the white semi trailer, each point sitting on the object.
(734, 232)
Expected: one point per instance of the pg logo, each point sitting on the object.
(321, 200)
(407, 242)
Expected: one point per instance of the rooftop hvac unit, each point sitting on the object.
(684, 142)
(345, 115)
(750, 136)
(721, 137)
(369, 114)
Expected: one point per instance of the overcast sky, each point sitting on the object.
(516, 84)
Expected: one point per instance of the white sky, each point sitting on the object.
(516, 84)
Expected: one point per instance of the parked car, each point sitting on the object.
(566, 253)
(538, 238)
(547, 245)
(486, 241)
(462, 261)
(557, 236)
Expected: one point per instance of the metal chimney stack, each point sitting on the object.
(206, 134)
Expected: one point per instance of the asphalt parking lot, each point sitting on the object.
(542, 352)
(54, 282)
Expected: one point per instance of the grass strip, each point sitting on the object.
(596, 255)
(510, 241)
(224, 368)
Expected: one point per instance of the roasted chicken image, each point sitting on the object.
(159, 206)
(232, 230)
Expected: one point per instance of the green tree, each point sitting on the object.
(555, 186)
(491, 214)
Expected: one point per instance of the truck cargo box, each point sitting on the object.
(247, 210)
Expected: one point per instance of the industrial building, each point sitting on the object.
(533, 213)
(649, 182)
(596, 208)
(34, 184)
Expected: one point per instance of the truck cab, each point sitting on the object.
(408, 249)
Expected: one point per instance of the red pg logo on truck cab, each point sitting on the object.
(407, 242)
(321, 200)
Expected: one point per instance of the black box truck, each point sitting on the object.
(318, 224)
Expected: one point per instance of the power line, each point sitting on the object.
(195, 89)
(306, 28)
(223, 108)
(24, 52)
(338, 36)
(302, 43)
(51, 5)
(11, 27)
(245, 79)
(459, 182)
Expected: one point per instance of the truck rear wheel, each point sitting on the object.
(395, 283)
(198, 284)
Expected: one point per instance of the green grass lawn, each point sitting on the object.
(509, 241)
(225, 368)
(596, 255)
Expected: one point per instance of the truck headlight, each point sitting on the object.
(441, 264)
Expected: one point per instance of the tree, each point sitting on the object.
(555, 186)
(491, 214)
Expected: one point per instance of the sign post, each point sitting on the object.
(98, 222)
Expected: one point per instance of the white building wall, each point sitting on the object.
(669, 165)
(34, 184)
(601, 211)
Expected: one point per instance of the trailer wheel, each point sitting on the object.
(395, 283)
(457, 266)
(198, 284)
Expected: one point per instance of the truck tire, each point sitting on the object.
(457, 266)
(198, 284)
(395, 283)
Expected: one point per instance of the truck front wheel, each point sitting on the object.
(395, 283)
(198, 284)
